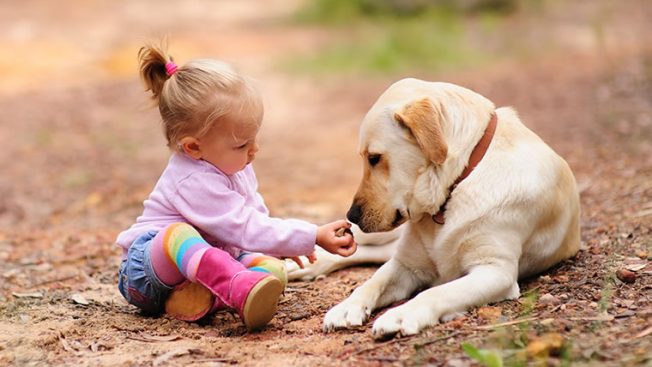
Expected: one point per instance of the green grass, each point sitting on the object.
(488, 358)
(347, 11)
(392, 37)
(508, 346)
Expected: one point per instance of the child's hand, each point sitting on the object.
(328, 239)
(311, 258)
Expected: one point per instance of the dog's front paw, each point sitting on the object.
(346, 314)
(403, 320)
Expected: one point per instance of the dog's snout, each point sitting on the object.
(355, 213)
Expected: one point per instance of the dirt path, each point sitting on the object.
(81, 150)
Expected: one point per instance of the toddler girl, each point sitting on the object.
(197, 245)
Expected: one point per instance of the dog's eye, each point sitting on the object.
(373, 159)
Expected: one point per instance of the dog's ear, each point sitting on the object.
(424, 122)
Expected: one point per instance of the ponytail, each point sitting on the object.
(153, 60)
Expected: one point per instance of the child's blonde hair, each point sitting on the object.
(197, 95)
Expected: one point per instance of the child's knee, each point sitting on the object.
(269, 265)
(174, 235)
(180, 227)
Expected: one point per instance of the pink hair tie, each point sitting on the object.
(170, 68)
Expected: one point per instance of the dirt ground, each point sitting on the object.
(82, 149)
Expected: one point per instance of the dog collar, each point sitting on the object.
(476, 156)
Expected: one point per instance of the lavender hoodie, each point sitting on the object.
(226, 210)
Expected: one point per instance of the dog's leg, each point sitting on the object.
(373, 248)
(483, 284)
(327, 263)
(392, 282)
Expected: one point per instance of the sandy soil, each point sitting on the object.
(82, 149)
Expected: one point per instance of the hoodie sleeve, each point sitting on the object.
(259, 202)
(206, 201)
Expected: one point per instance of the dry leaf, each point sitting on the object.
(490, 313)
(643, 333)
(635, 267)
(79, 299)
(545, 345)
(67, 346)
(161, 338)
(163, 358)
(154, 338)
(10, 273)
(93, 199)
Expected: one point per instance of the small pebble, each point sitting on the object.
(626, 276)
(340, 232)
(561, 279)
(549, 299)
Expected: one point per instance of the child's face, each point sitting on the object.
(230, 149)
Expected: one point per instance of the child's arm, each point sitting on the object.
(324, 238)
(259, 201)
(209, 204)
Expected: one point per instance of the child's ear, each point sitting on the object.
(191, 147)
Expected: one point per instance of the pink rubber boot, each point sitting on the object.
(254, 295)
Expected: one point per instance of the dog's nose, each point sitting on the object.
(354, 214)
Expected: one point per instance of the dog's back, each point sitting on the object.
(546, 178)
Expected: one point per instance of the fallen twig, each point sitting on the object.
(513, 322)
(27, 295)
(214, 360)
(164, 358)
(383, 359)
(296, 290)
(377, 346)
(154, 338)
(120, 328)
(642, 213)
(643, 333)
(431, 341)
(398, 340)
(593, 318)
(55, 280)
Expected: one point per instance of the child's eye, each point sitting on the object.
(243, 146)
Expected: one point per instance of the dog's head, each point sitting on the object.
(405, 132)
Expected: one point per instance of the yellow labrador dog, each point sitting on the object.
(481, 200)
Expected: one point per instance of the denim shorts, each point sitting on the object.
(137, 281)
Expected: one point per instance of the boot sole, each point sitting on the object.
(262, 303)
(189, 302)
